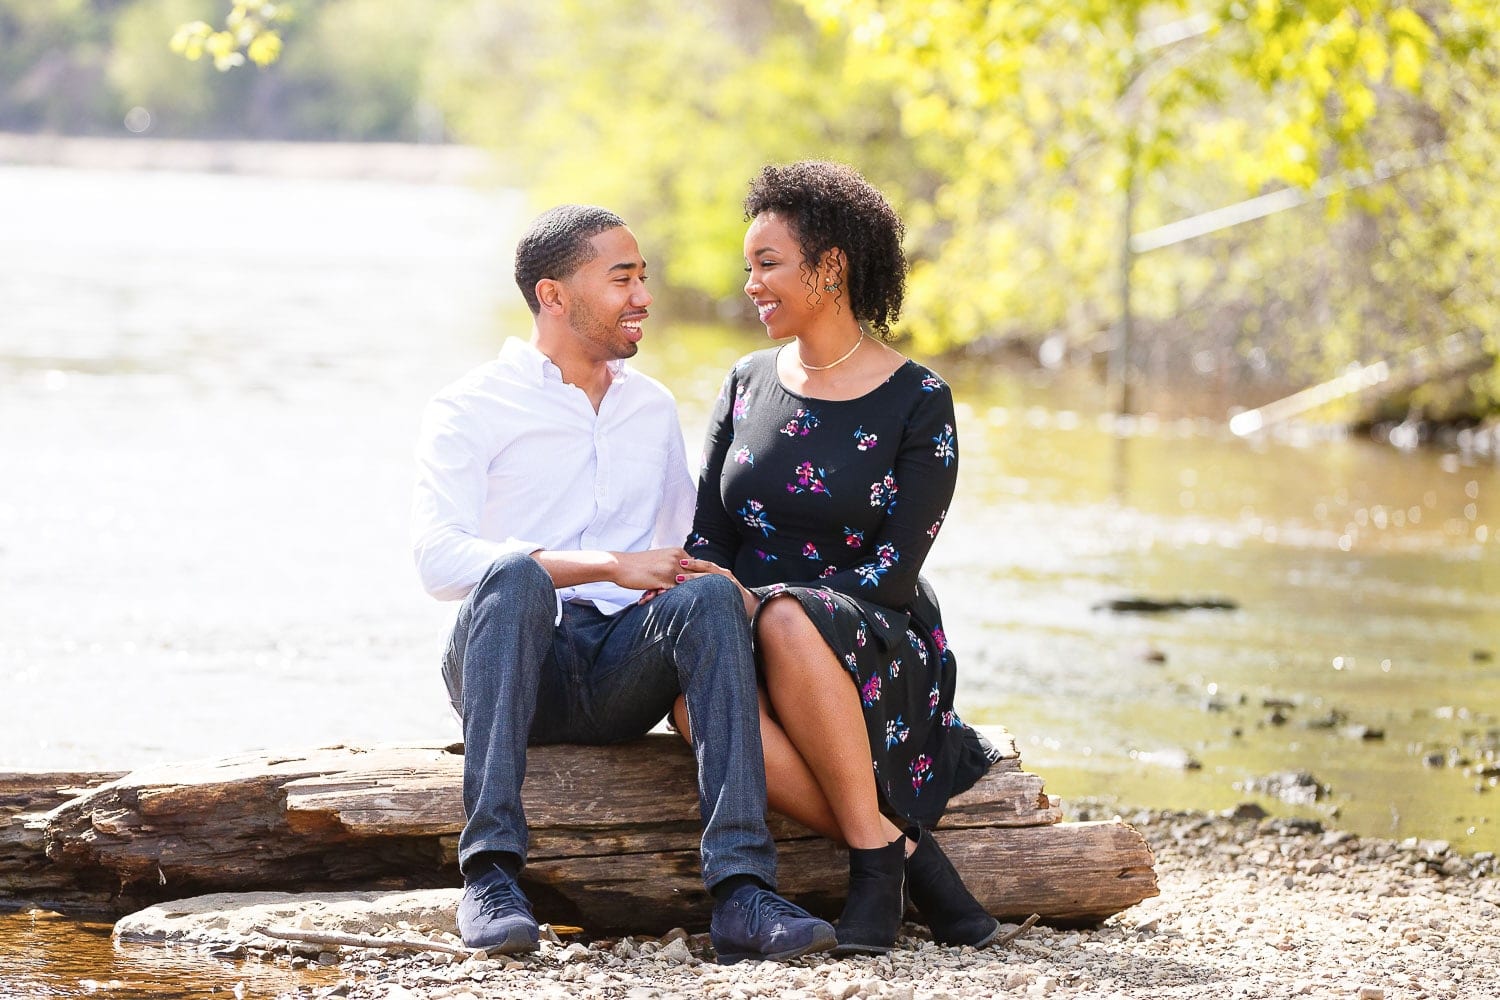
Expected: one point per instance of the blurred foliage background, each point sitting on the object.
(1023, 141)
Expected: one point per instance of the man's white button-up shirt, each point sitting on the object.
(513, 459)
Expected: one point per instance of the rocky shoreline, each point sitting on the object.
(1250, 907)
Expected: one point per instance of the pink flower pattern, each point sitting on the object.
(851, 473)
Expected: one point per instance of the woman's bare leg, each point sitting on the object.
(817, 705)
(791, 789)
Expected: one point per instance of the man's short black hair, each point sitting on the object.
(557, 243)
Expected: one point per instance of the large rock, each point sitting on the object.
(229, 919)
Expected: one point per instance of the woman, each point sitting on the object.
(828, 470)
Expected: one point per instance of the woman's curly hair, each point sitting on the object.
(830, 205)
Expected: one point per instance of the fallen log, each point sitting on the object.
(26, 798)
(614, 836)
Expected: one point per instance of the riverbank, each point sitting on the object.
(416, 163)
(1249, 908)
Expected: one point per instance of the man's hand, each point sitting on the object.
(653, 569)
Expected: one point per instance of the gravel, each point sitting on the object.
(1249, 907)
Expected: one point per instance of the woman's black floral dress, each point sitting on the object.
(837, 504)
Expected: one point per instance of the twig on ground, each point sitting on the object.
(1010, 936)
(340, 939)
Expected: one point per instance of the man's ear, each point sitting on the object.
(552, 296)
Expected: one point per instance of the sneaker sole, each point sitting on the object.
(816, 945)
(514, 943)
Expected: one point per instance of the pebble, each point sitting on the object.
(1251, 906)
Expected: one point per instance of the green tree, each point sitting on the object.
(1041, 115)
(49, 65)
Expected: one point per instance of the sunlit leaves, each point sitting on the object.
(249, 30)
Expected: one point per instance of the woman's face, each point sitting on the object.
(784, 289)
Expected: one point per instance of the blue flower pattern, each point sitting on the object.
(852, 470)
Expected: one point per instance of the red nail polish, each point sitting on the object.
(681, 578)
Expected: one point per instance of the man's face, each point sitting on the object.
(607, 297)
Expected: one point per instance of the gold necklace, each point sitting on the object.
(831, 364)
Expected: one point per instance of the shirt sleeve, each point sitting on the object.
(454, 451)
(921, 485)
(714, 536)
(676, 515)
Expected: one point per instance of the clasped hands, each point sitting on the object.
(656, 570)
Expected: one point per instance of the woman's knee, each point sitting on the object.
(782, 619)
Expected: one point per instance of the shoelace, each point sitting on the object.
(502, 893)
(766, 905)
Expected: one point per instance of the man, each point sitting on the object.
(552, 498)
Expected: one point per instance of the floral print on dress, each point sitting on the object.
(809, 480)
(822, 478)
(883, 492)
(754, 513)
(695, 541)
(801, 424)
(886, 556)
(921, 773)
(945, 448)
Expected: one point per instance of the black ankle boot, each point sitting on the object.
(952, 913)
(872, 913)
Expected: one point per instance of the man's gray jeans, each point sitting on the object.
(516, 678)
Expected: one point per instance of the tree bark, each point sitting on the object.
(614, 835)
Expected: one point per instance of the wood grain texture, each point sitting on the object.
(615, 833)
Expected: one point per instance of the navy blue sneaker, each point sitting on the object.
(755, 923)
(495, 915)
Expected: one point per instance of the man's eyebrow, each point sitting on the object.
(629, 265)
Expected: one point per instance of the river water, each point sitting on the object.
(209, 387)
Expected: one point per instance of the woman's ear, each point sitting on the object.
(831, 268)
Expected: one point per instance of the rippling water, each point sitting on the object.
(209, 386)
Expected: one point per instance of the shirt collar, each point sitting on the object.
(536, 366)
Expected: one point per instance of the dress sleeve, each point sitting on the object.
(714, 536)
(917, 493)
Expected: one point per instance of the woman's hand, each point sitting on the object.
(694, 568)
